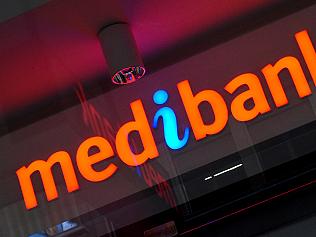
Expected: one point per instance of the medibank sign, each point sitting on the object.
(191, 101)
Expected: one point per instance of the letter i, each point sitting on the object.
(170, 123)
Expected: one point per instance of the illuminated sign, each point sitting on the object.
(101, 126)
(191, 102)
(170, 123)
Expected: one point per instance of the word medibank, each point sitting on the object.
(191, 101)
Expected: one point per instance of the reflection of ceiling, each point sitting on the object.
(12, 8)
(54, 45)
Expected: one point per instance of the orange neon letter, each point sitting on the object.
(254, 92)
(85, 161)
(142, 127)
(44, 167)
(271, 74)
(308, 52)
(191, 104)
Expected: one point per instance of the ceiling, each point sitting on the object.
(52, 46)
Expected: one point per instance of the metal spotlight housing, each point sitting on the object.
(121, 54)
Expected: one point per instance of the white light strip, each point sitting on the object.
(207, 178)
(224, 171)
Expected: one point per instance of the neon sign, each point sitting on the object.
(101, 126)
(191, 102)
(170, 123)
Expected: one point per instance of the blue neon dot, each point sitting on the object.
(160, 97)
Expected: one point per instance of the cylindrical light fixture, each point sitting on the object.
(121, 54)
